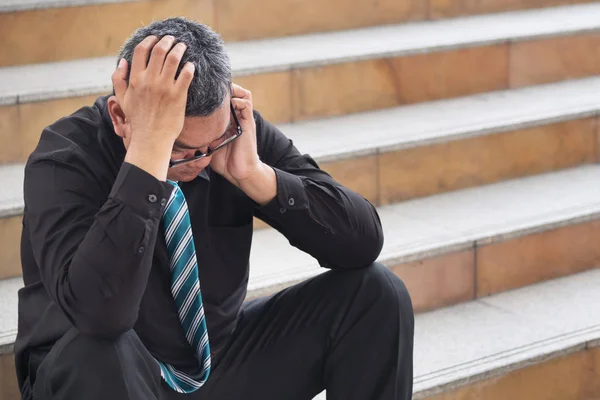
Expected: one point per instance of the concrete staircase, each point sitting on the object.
(472, 125)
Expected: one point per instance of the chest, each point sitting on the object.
(221, 219)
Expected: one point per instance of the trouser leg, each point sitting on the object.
(81, 367)
(350, 332)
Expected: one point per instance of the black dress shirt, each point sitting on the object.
(93, 249)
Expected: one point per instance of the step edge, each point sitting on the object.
(13, 7)
(502, 363)
(93, 88)
(552, 115)
(399, 255)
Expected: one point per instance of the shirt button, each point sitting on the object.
(282, 210)
(291, 201)
(141, 250)
(163, 202)
(152, 198)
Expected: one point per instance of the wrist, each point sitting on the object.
(260, 184)
(152, 156)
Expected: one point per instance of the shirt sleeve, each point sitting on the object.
(94, 252)
(318, 215)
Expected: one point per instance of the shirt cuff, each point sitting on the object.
(291, 195)
(141, 191)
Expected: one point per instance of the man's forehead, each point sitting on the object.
(200, 131)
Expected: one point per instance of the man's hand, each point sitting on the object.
(238, 162)
(154, 102)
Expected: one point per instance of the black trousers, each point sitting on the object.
(347, 332)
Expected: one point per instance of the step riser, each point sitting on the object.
(339, 89)
(8, 378)
(102, 28)
(367, 85)
(10, 247)
(291, 17)
(81, 32)
(440, 167)
(574, 376)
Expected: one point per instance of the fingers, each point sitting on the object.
(185, 77)
(140, 56)
(243, 108)
(119, 79)
(241, 93)
(169, 69)
(159, 54)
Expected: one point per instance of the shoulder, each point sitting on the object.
(71, 137)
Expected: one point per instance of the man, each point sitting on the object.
(112, 307)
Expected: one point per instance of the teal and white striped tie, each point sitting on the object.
(185, 288)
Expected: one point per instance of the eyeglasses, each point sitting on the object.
(223, 141)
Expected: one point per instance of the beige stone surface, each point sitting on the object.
(10, 145)
(358, 174)
(271, 94)
(572, 377)
(445, 74)
(541, 61)
(452, 8)
(458, 164)
(244, 20)
(9, 389)
(439, 281)
(344, 88)
(81, 32)
(537, 257)
(10, 245)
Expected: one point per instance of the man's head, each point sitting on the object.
(207, 110)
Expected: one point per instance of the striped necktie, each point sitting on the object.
(185, 288)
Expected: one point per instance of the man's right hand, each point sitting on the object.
(154, 102)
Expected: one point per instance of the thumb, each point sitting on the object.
(119, 79)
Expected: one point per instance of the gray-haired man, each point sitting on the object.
(136, 238)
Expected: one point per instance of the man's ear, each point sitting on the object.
(119, 120)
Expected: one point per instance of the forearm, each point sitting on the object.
(98, 281)
(261, 186)
(332, 223)
(151, 156)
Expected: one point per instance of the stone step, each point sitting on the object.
(419, 150)
(102, 25)
(467, 244)
(350, 71)
(537, 342)
(533, 343)
(12, 6)
(488, 239)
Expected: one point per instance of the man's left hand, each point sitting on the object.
(238, 161)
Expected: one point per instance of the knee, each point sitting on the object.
(381, 286)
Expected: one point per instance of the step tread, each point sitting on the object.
(11, 195)
(447, 222)
(407, 126)
(506, 331)
(472, 340)
(419, 124)
(23, 5)
(8, 311)
(82, 77)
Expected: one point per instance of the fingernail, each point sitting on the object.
(121, 63)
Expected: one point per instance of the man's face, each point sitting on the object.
(197, 134)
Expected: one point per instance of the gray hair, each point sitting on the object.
(205, 48)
